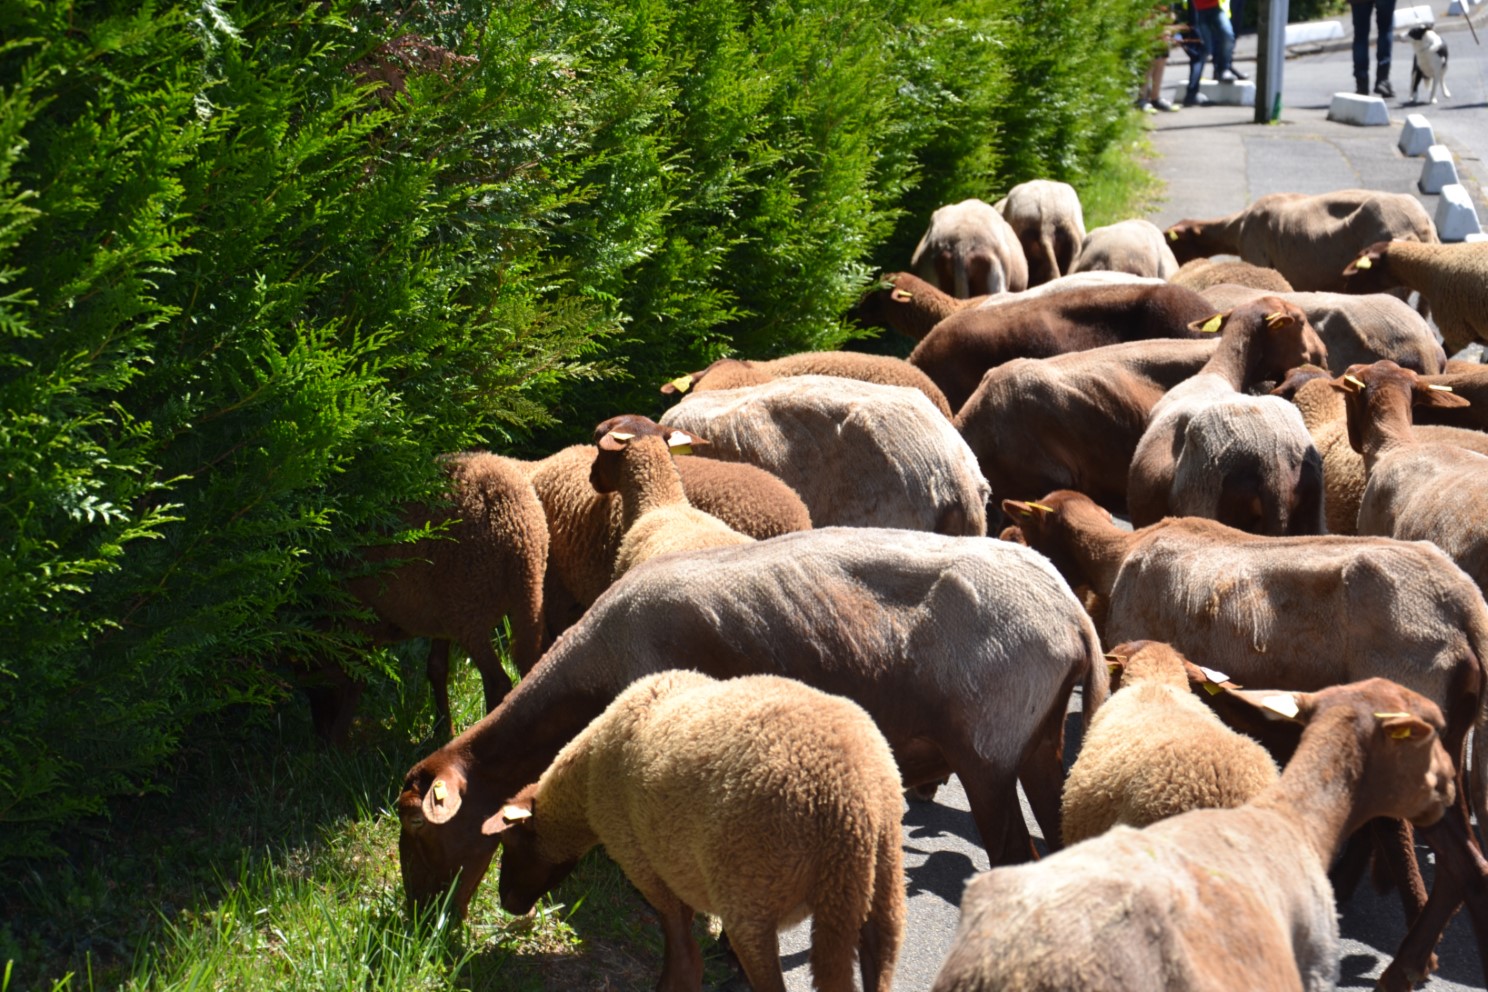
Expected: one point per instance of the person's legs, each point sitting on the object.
(1224, 39)
(1196, 67)
(1361, 12)
(1384, 15)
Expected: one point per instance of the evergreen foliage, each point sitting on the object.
(260, 263)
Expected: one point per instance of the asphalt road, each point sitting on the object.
(1243, 161)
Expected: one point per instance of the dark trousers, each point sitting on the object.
(1384, 18)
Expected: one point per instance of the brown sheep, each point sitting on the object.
(488, 563)
(1453, 279)
(968, 343)
(758, 800)
(1199, 274)
(732, 373)
(910, 305)
(1308, 239)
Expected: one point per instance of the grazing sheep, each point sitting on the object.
(1078, 280)
(1211, 451)
(1135, 246)
(486, 563)
(733, 373)
(1050, 224)
(859, 454)
(1308, 239)
(635, 460)
(1453, 279)
(961, 348)
(1214, 899)
(1323, 411)
(910, 305)
(900, 622)
(585, 527)
(1154, 751)
(1073, 421)
(759, 800)
(1199, 274)
(969, 250)
(1355, 329)
(1417, 491)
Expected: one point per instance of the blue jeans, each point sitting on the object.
(1384, 17)
(1219, 37)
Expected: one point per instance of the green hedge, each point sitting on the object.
(259, 263)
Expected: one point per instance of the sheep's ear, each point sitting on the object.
(1017, 508)
(682, 442)
(1280, 320)
(442, 800)
(614, 441)
(681, 384)
(1274, 705)
(1208, 679)
(1349, 383)
(1175, 232)
(1405, 727)
(1366, 260)
(1210, 325)
(900, 295)
(513, 813)
(1441, 397)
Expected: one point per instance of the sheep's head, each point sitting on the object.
(1276, 334)
(1188, 240)
(1370, 271)
(726, 373)
(614, 437)
(1406, 771)
(1297, 378)
(526, 875)
(1385, 390)
(1149, 662)
(440, 838)
(1051, 527)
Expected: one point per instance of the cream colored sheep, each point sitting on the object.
(635, 460)
(1135, 246)
(758, 799)
(1355, 328)
(969, 250)
(1154, 750)
(1200, 274)
(734, 373)
(1049, 222)
(1453, 279)
(1215, 899)
(487, 563)
(859, 454)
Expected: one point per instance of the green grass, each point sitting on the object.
(271, 863)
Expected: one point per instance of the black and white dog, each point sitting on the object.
(1431, 61)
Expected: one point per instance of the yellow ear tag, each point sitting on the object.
(1439, 389)
(1363, 263)
(1273, 319)
(1282, 704)
(621, 435)
(1172, 235)
(682, 383)
(681, 449)
(1113, 667)
(1212, 686)
(901, 295)
(679, 443)
(439, 790)
(1212, 324)
(1354, 381)
(514, 813)
(1041, 507)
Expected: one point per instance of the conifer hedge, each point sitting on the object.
(260, 263)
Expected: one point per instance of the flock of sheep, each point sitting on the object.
(778, 607)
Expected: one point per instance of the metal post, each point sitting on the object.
(1270, 59)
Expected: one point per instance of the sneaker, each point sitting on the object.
(1384, 89)
(1228, 76)
(1145, 106)
(1238, 74)
(1164, 106)
(1196, 100)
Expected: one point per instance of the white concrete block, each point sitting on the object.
(1314, 32)
(1416, 136)
(1456, 217)
(1474, 238)
(1438, 171)
(1238, 94)
(1409, 17)
(1364, 111)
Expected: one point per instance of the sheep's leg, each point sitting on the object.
(437, 670)
(1042, 775)
(682, 961)
(993, 797)
(880, 935)
(527, 632)
(758, 949)
(1395, 846)
(493, 676)
(1461, 875)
